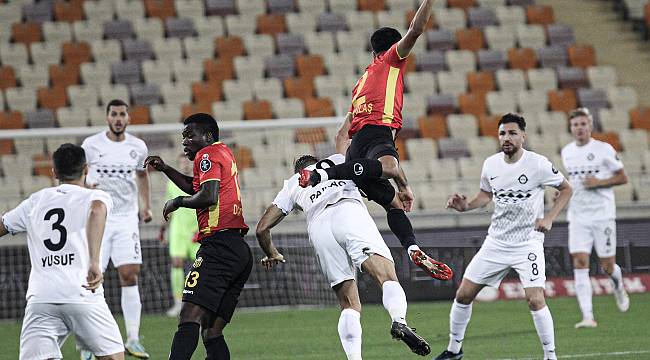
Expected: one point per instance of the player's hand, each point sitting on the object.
(170, 207)
(406, 197)
(269, 261)
(590, 182)
(543, 225)
(155, 162)
(457, 202)
(95, 277)
(146, 215)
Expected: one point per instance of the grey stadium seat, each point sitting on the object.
(118, 29)
(38, 11)
(145, 94)
(179, 27)
(552, 56)
(331, 22)
(138, 50)
(42, 118)
(126, 72)
(432, 61)
(571, 78)
(481, 17)
(441, 104)
(280, 66)
(491, 60)
(442, 39)
(292, 44)
(220, 7)
(560, 35)
(280, 6)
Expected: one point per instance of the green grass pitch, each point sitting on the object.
(499, 330)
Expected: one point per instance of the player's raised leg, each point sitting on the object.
(543, 320)
(349, 326)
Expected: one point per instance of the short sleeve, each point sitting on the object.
(393, 58)
(208, 167)
(103, 197)
(15, 221)
(88, 150)
(611, 159)
(283, 199)
(548, 174)
(144, 152)
(485, 182)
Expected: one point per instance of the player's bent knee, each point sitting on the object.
(191, 313)
(580, 261)
(536, 302)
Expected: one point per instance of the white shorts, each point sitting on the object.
(121, 242)
(600, 235)
(344, 236)
(46, 326)
(490, 265)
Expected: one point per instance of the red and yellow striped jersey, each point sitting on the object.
(377, 97)
(217, 163)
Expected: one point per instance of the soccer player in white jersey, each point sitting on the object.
(343, 235)
(64, 226)
(514, 180)
(593, 168)
(115, 162)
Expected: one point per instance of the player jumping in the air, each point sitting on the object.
(224, 260)
(514, 180)
(64, 226)
(374, 118)
(593, 168)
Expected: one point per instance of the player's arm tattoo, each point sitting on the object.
(208, 195)
(561, 200)
(272, 216)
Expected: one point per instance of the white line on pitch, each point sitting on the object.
(575, 356)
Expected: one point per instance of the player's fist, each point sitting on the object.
(590, 182)
(155, 162)
(269, 261)
(94, 278)
(543, 225)
(457, 202)
(170, 206)
(146, 215)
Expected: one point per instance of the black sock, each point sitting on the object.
(185, 341)
(216, 349)
(401, 226)
(358, 170)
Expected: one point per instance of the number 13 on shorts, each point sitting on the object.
(192, 279)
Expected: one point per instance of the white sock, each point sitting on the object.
(131, 309)
(394, 300)
(617, 277)
(323, 175)
(584, 292)
(350, 333)
(412, 248)
(544, 325)
(458, 319)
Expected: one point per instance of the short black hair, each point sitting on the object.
(382, 39)
(513, 118)
(304, 161)
(580, 112)
(115, 102)
(69, 161)
(206, 122)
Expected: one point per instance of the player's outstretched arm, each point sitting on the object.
(565, 192)
(272, 216)
(181, 180)
(417, 27)
(459, 202)
(94, 233)
(342, 137)
(208, 195)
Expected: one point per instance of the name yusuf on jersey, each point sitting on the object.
(53, 260)
(322, 190)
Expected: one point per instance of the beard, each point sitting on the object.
(509, 149)
(115, 132)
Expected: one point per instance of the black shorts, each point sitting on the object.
(222, 266)
(373, 142)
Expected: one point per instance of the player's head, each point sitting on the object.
(382, 39)
(512, 133)
(200, 131)
(117, 116)
(69, 163)
(582, 124)
(304, 161)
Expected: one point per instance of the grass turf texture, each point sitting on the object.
(503, 329)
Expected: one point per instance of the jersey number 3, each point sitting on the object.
(60, 215)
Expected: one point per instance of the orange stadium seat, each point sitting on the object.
(139, 114)
(301, 88)
(610, 138)
(6, 147)
(433, 126)
(206, 92)
(7, 77)
(400, 145)
(582, 56)
(258, 110)
(64, 75)
(271, 24)
(562, 100)
(482, 81)
(540, 14)
(646, 14)
(470, 39)
(472, 103)
(189, 109)
(76, 52)
(52, 98)
(488, 125)
(371, 5)
(243, 157)
(68, 11)
(640, 118)
(42, 165)
(26, 33)
(463, 4)
(11, 120)
(310, 66)
(523, 58)
(319, 107)
(229, 47)
(311, 136)
(218, 70)
(160, 8)
(410, 14)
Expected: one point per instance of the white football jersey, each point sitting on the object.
(313, 200)
(112, 166)
(597, 159)
(55, 221)
(518, 194)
